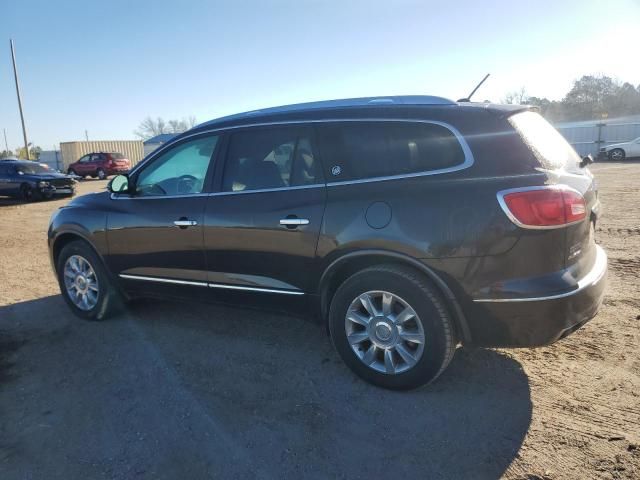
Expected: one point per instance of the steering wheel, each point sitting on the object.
(186, 184)
(152, 189)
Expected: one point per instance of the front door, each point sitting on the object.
(155, 233)
(262, 227)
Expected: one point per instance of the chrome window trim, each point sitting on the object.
(208, 284)
(266, 190)
(468, 155)
(116, 196)
(500, 195)
(596, 274)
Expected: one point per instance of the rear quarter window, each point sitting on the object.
(550, 148)
(361, 150)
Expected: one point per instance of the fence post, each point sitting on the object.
(599, 142)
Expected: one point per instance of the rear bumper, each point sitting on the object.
(540, 320)
(117, 170)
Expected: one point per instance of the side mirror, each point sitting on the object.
(586, 161)
(119, 184)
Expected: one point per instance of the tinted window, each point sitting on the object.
(270, 158)
(377, 149)
(117, 156)
(180, 171)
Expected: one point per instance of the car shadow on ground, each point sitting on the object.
(169, 390)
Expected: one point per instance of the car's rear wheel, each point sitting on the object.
(617, 155)
(84, 282)
(101, 174)
(392, 327)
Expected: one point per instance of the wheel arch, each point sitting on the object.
(350, 263)
(67, 236)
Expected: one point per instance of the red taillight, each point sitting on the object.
(543, 207)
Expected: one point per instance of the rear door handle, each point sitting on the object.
(184, 223)
(294, 222)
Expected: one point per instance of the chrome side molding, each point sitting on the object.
(208, 284)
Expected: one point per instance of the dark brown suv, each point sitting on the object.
(412, 224)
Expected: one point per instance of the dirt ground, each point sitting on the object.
(164, 391)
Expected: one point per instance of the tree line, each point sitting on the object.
(592, 97)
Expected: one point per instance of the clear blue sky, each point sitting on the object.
(105, 65)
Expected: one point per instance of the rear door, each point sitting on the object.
(262, 226)
(5, 180)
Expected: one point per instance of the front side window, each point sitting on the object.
(361, 150)
(180, 171)
(270, 158)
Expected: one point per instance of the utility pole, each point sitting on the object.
(15, 75)
(6, 145)
(86, 135)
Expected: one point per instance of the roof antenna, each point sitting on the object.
(468, 99)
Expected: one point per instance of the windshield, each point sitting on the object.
(548, 145)
(32, 169)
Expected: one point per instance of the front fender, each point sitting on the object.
(70, 222)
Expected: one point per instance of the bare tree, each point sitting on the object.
(150, 128)
(517, 97)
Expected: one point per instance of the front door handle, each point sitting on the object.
(294, 222)
(184, 223)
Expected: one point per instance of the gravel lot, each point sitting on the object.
(167, 390)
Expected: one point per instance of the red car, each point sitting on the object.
(100, 165)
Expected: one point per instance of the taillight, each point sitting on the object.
(543, 207)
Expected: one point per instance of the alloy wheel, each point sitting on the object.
(384, 332)
(81, 282)
(617, 155)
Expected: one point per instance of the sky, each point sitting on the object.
(103, 66)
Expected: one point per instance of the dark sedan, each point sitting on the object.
(33, 181)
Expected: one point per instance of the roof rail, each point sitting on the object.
(343, 103)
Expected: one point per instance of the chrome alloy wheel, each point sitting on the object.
(81, 282)
(384, 332)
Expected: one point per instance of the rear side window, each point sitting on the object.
(361, 150)
(117, 156)
(270, 158)
(547, 144)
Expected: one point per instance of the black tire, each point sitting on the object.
(426, 301)
(28, 193)
(101, 174)
(617, 155)
(71, 171)
(109, 300)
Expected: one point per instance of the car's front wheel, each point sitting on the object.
(392, 327)
(101, 174)
(28, 193)
(617, 155)
(84, 282)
